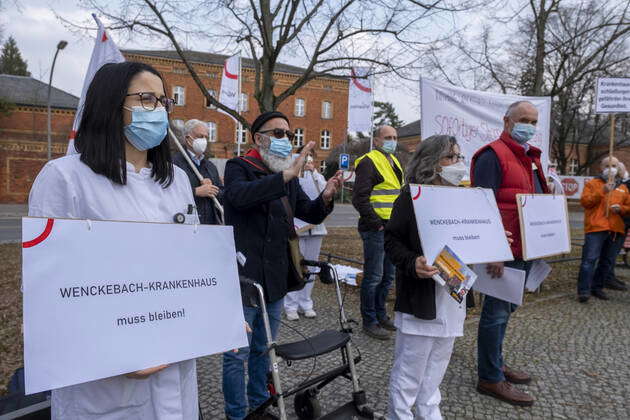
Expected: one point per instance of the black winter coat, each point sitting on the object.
(205, 206)
(414, 295)
(261, 227)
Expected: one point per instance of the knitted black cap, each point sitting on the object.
(264, 117)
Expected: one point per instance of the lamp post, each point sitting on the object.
(60, 46)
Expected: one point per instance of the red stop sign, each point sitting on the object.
(570, 186)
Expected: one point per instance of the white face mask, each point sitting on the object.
(453, 174)
(609, 171)
(199, 145)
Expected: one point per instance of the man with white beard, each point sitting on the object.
(262, 196)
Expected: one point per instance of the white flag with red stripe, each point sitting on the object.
(230, 83)
(105, 51)
(360, 100)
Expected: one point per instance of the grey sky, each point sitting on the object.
(37, 31)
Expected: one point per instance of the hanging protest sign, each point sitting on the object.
(544, 220)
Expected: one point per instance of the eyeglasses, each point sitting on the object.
(279, 133)
(454, 157)
(149, 101)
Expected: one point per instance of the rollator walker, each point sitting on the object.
(306, 404)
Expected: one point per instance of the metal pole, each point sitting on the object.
(238, 106)
(52, 69)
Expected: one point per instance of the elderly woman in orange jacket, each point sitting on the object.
(604, 205)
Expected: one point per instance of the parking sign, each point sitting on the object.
(344, 161)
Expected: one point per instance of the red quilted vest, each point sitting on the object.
(518, 178)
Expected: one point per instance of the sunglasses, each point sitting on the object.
(280, 133)
(149, 101)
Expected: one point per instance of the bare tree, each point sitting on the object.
(557, 48)
(326, 38)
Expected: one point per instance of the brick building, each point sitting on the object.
(23, 132)
(318, 111)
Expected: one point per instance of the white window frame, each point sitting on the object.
(179, 92)
(322, 166)
(299, 110)
(212, 131)
(243, 102)
(327, 110)
(242, 136)
(573, 167)
(298, 140)
(212, 93)
(324, 139)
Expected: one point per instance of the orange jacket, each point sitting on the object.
(594, 202)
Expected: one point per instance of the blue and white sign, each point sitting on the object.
(344, 161)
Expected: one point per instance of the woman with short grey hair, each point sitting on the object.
(427, 318)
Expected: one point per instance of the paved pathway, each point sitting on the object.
(578, 354)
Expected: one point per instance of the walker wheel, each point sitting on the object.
(307, 405)
(179, 218)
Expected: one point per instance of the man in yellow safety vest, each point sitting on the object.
(377, 185)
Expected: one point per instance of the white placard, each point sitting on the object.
(574, 185)
(539, 271)
(509, 287)
(465, 219)
(476, 118)
(544, 220)
(108, 298)
(613, 95)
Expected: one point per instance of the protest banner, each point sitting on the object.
(476, 118)
(544, 220)
(467, 220)
(360, 99)
(107, 298)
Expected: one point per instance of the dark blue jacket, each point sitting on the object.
(205, 206)
(261, 227)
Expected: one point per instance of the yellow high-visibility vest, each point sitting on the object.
(383, 194)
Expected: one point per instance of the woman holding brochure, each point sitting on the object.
(427, 318)
(123, 171)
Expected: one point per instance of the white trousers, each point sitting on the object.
(301, 299)
(419, 366)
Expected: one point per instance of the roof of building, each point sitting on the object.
(409, 130)
(25, 90)
(209, 58)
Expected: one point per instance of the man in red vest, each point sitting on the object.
(508, 166)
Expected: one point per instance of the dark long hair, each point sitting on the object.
(100, 138)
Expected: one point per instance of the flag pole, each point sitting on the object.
(239, 127)
(610, 153)
(184, 153)
(372, 86)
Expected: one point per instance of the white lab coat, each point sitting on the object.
(423, 351)
(312, 183)
(67, 188)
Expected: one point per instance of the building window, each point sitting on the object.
(212, 131)
(326, 110)
(300, 107)
(241, 134)
(573, 167)
(212, 93)
(179, 96)
(322, 166)
(298, 140)
(324, 141)
(243, 103)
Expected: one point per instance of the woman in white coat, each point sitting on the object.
(123, 171)
(311, 236)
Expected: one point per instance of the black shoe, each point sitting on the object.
(376, 331)
(583, 298)
(387, 324)
(615, 284)
(266, 415)
(599, 294)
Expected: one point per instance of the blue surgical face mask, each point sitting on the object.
(148, 128)
(523, 133)
(389, 146)
(280, 147)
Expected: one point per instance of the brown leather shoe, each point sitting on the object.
(504, 391)
(516, 376)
